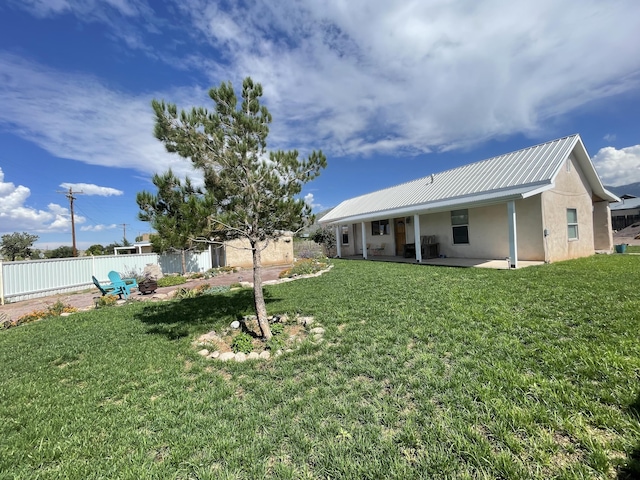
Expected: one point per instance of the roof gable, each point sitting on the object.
(515, 174)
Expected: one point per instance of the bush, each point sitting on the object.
(304, 267)
(106, 301)
(277, 329)
(242, 343)
(172, 280)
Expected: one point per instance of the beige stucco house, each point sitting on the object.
(542, 203)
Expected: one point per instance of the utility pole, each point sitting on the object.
(124, 232)
(70, 195)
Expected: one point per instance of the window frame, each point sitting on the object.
(573, 225)
(460, 223)
(383, 228)
(344, 233)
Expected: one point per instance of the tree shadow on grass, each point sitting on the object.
(632, 469)
(191, 316)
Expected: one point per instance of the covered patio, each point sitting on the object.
(449, 261)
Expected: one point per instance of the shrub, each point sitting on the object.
(192, 292)
(170, 281)
(304, 267)
(242, 343)
(277, 328)
(217, 289)
(106, 301)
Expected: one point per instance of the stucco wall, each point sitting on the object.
(571, 190)
(488, 231)
(602, 231)
(280, 252)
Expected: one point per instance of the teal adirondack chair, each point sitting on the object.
(125, 283)
(114, 290)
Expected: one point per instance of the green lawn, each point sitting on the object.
(425, 372)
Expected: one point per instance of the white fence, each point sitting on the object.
(39, 278)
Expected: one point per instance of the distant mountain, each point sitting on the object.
(630, 189)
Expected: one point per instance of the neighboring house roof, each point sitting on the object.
(626, 204)
(511, 176)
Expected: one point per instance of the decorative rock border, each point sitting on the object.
(316, 333)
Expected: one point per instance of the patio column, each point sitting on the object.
(416, 237)
(513, 236)
(338, 241)
(364, 241)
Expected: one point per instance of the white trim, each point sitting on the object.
(339, 241)
(416, 234)
(364, 241)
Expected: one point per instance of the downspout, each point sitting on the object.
(545, 230)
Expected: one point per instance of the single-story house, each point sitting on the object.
(625, 212)
(143, 246)
(542, 203)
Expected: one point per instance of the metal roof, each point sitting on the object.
(513, 175)
(626, 204)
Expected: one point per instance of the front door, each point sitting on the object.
(400, 235)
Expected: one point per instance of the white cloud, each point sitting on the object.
(75, 116)
(609, 137)
(98, 228)
(310, 200)
(360, 77)
(90, 189)
(15, 215)
(87, 10)
(344, 75)
(618, 167)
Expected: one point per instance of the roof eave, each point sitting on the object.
(440, 206)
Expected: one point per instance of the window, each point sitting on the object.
(380, 227)
(572, 223)
(460, 226)
(345, 235)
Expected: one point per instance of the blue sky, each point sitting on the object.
(389, 90)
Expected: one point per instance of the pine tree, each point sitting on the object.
(178, 213)
(255, 194)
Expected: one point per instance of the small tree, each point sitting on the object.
(95, 250)
(109, 249)
(326, 237)
(17, 245)
(178, 212)
(62, 251)
(255, 194)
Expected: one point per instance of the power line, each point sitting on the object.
(70, 195)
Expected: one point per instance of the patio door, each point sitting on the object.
(400, 236)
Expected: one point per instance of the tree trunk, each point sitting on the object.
(184, 263)
(258, 295)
